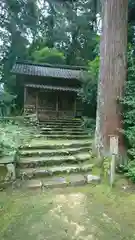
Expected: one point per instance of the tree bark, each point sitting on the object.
(112, 75)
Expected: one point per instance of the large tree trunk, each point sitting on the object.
(112, 77)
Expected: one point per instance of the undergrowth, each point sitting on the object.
(89, 125)
(129, 116)
(13, 135)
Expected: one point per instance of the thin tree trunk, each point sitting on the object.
(113, 70)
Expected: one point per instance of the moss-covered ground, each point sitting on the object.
(87, 213)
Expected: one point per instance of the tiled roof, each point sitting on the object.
(47, 71)
(60, 88)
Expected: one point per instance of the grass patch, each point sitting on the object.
(88, 212)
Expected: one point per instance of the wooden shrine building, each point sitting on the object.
(50, 91)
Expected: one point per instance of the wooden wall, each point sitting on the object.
(51, 104)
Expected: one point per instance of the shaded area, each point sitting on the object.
(73, 213)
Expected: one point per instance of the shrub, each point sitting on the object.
(13, 135)
(130, 170)
(89, 87)
(89, 123)
(129, 114)
(6, 103)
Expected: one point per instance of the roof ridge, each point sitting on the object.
(47, 71)
(70, 67)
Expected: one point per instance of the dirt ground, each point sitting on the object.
(81, 213)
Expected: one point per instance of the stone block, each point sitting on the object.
(76, 180)
(7, 172)
(3, 172)
(92, 178)
(55, 182)
(11, 174)
(33, 184)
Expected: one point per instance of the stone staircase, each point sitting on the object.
(58, 156)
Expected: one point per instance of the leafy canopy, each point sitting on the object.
(48, 55)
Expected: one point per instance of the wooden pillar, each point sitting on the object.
(57, 104)
(25, 94)
(25, 97)
(75, 107)
(37, 104)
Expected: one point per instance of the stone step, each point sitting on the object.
(42, 143)
(30, 173)
(66, 124)
(33, 162)
(62, 181)
(78, 121)
(65, 136)
(54, 152)
(62, 129)
(56, 132)
(61, 123)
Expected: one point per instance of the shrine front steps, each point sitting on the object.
(55, 164)
(63, 121)
(41, 161)
(52, 133)
(42, 143)
(40, 152)
(60, 124)
(62, 129)
(42, 172)
(62, 132)
(65, 136)
(58, 176)
(77, 179)
(61, 152)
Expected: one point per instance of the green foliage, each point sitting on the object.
(129, 114)
(106, 166)
(130, 170)
(6, 103)
(18, 19)
(46, 33)
(48, 55)
(29, 28)
(89, 87)
(129, 101)
(89, 123)
(88, 92)
(13, 135)
(6, 97)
